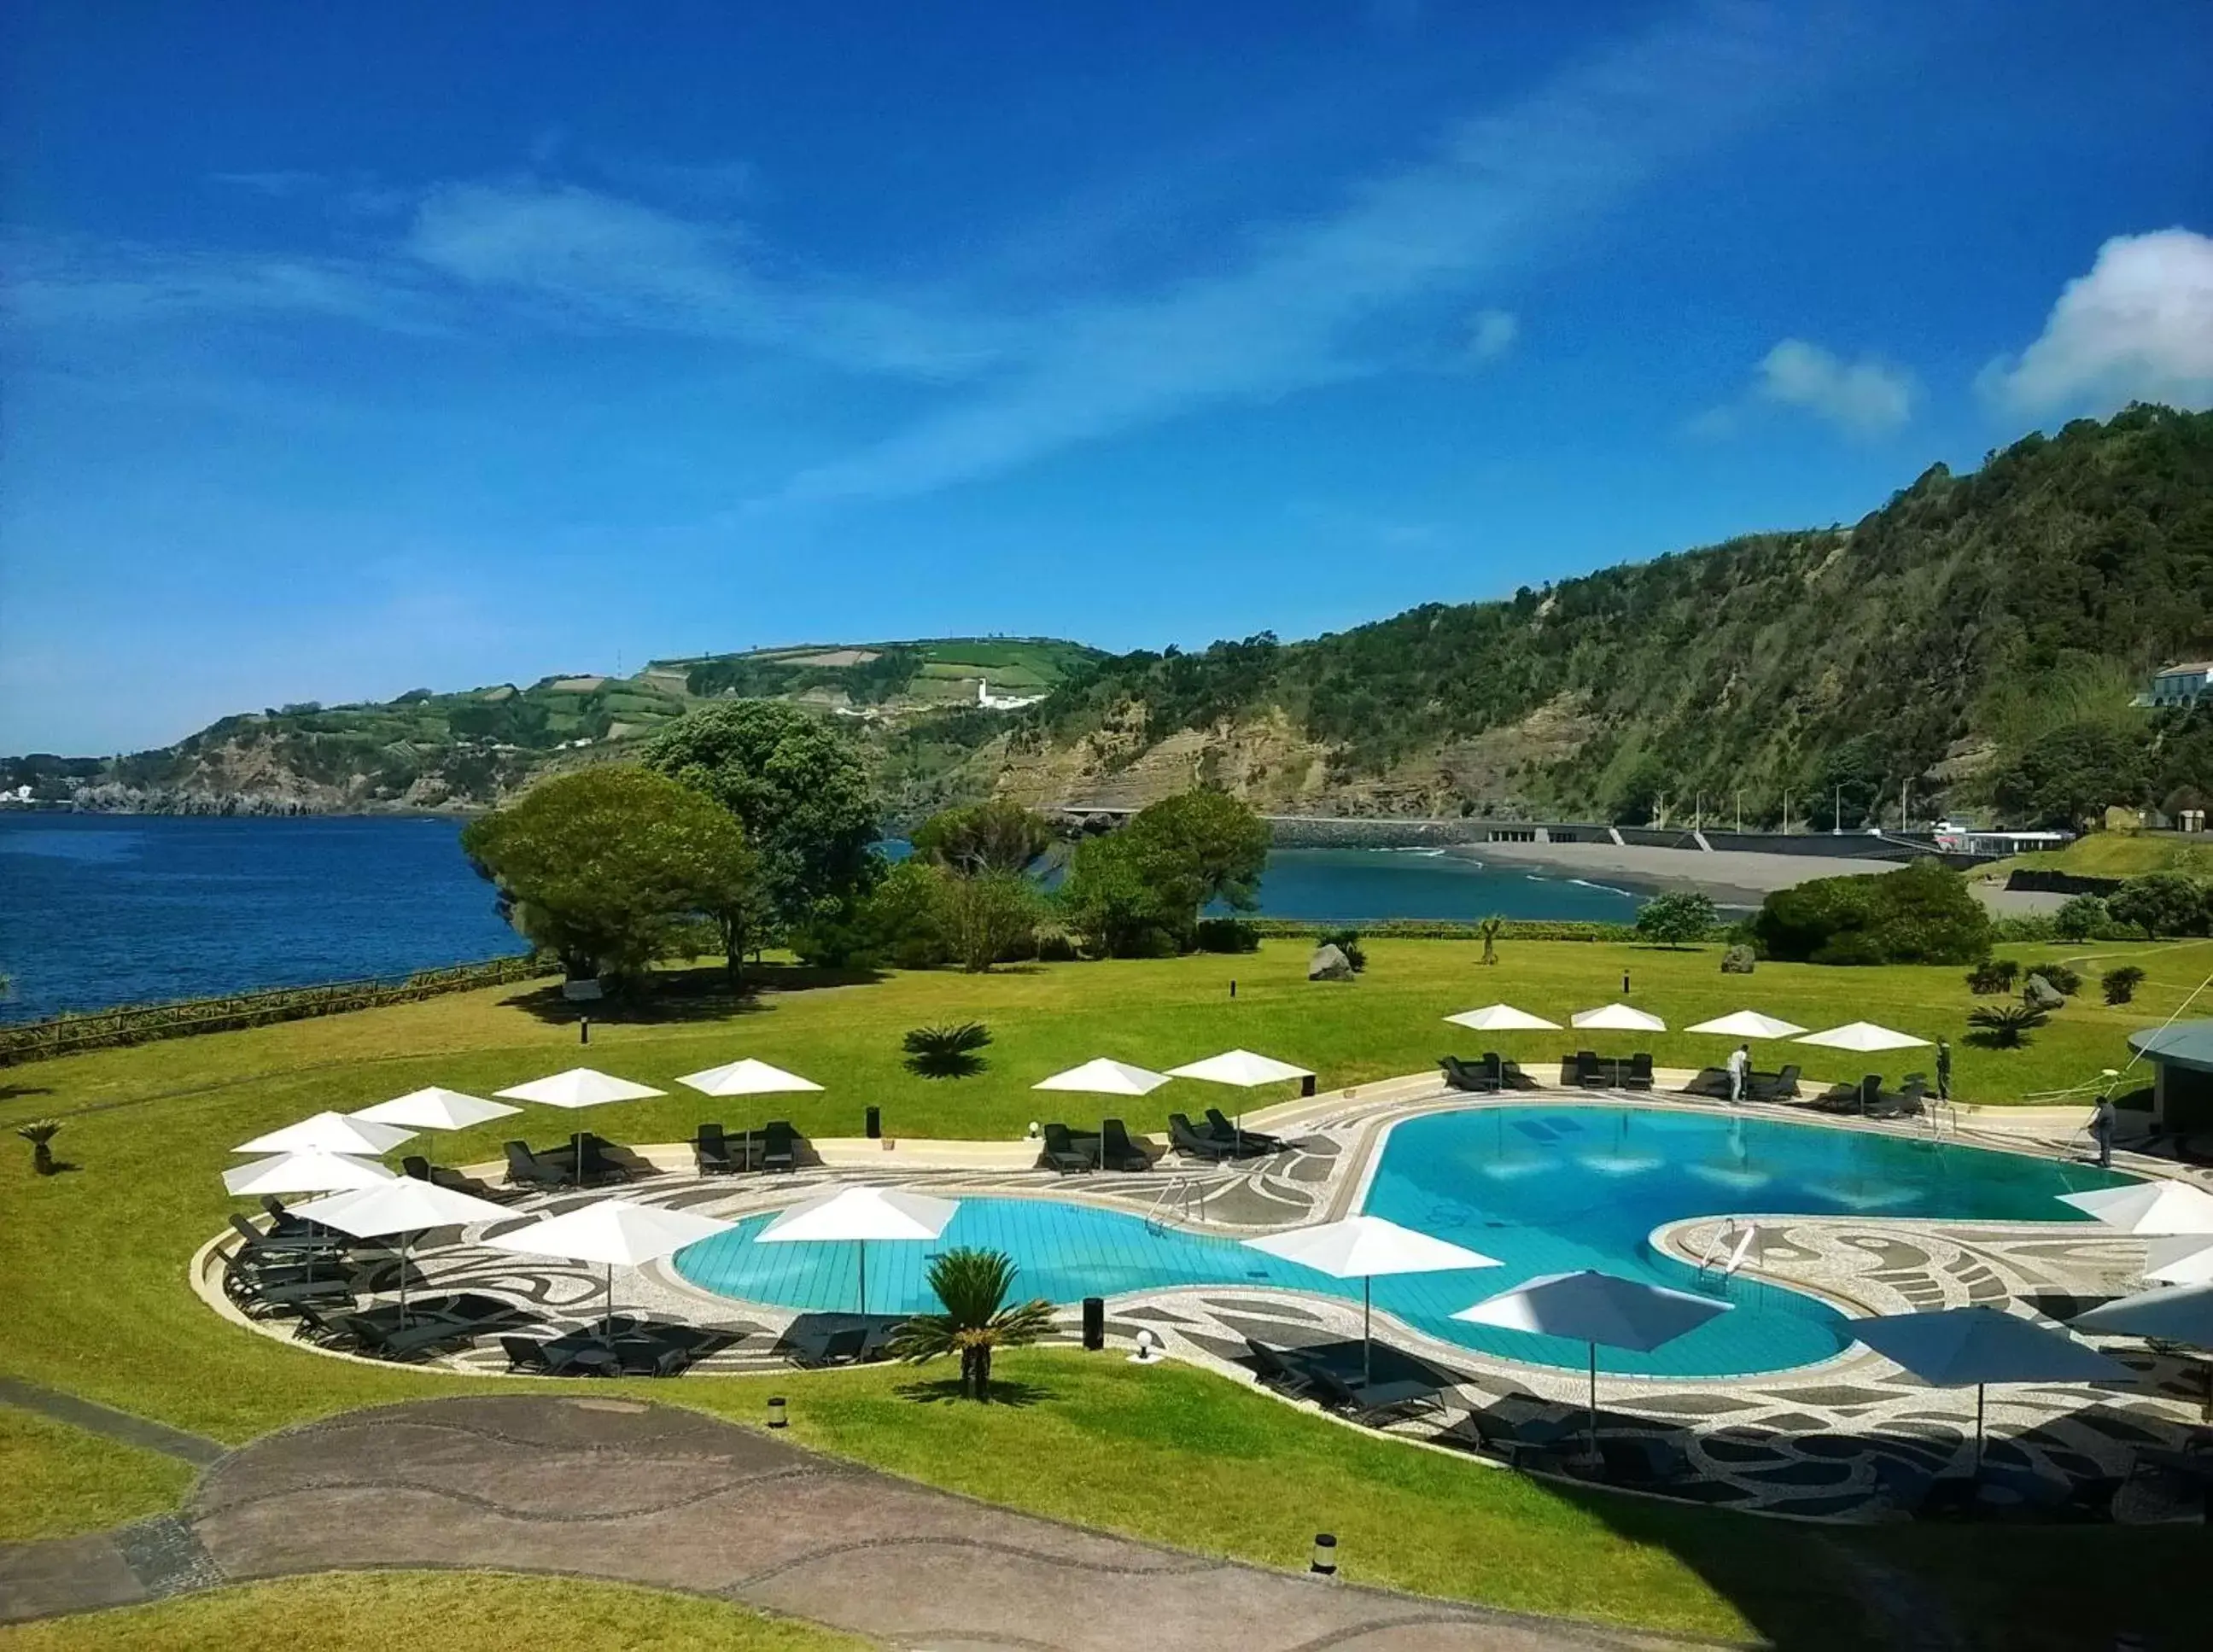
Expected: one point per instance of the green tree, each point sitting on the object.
(2161, 902)
(996, 836)
(1216, 840)
(1677, 917)
(1113, 898)
(1919, 914)
(988, 916)
(602, 866)
(902, 921)
(972, 1286)
(799, 789)
(2080, 918)
(2074, 774)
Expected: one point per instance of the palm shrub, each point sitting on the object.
(1489, 930)
(972, 1285)
(40, 1133)
(1993, 976)
(945, 1052)
(2006, 1027)
(2120, 984)
(2065, 981)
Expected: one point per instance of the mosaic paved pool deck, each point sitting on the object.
(1820, 1440)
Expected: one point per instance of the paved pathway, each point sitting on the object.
(647, 1494)
(96, 1419)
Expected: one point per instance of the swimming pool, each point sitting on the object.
(1542, 1189)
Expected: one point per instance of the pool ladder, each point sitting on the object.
(1182, 1199)
(1738, 1253)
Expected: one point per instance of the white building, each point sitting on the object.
(2184, 683)
(991, 702)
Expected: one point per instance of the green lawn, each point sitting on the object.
(424, 1611)
(98, 1305)
(61, 1479)
(2117, 854)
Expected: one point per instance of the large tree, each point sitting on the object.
(602, 866)
(996, 836)
(1139, 890)
(798, 787)
(1219, 840)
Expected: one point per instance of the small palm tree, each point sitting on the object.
(40, 1133)
(973, 1284)
(2006, 1025)
(945, 1052)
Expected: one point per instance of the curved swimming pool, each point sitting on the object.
(1542, 1189)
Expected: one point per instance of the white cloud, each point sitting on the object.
(1866, 397)
(1492, 334)
(2138, 328)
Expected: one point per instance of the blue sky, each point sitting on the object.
(351, 350)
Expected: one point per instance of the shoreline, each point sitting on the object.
(1733, 877)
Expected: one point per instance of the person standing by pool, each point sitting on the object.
(2102, 1130)
(1944, 1069)
(1740, 1063)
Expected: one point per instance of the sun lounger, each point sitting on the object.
(252, 1241)
(711, 1152)
(1591, 1073)
(1712, 1083)
(1511, 1077)
(1637, 1076)
(414, 1337)
(1467, 1076)
(1636, 1460)
(1062, 1151)
(1277, 1369)
(527, 1169)
(779, 1145)
(1771, 1087)
(1248, 1141)
(1367, 1402)
(1116, 1151)
(1184, 1138)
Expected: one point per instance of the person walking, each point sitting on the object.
(1739, 1065)
(2101, 1130)
(1944, 1069)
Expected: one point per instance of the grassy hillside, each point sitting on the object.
(1969, 619)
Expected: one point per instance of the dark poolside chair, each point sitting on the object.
(779, 1148)
(1116, 1151)
(1468, 1075)
(1909, 1102)
(1278, 1369)
(1061, 1151)
(526, 1169)
(1185, 1138)
(254, 1243)
(1591, 1073)
(1371, 1402)
(1510, 1075)
(1637, 1076)
(1249, 1141)
(416, 1337)
(1712, 1083)
(1771, 1087)
(712, 1152)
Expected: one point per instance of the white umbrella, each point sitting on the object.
(328, 1132)
(2177, 1314)
(1241, 1068)
(402, 1205)
(747, 1077)
(433, 1109)
(305, 1173)
(580, 1087)
(855, 1216)
(2148, 1208)
(1104, 1078)
(610, 1231)
(1617, 1018)
(1864, 1037)
(2184, 1259)
(1958, 1346)
(1596, 1308)
(1360, 1247)
(1748, 1024)
(1502, 1018)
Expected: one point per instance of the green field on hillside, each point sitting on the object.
(2117, 854)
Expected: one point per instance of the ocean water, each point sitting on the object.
(98, 910)
(1538, 1190)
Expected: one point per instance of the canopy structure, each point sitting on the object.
(1595, 1307)
(2182, 1260)
(1864, 1037)
(747, 1076)
(328, 1132)
(404, 1206)
(433, 1109)
(1241, 1068)
(1748, 1024)
(2161, 1208)
(2177, 1314)
(1360, 1247)
(1101, 1076)
(305, 1173)
(856, 1215)
(580, 1087)
(1502, 1018)
(1961, 1346)
(610, 1231)
(1617, 1018)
